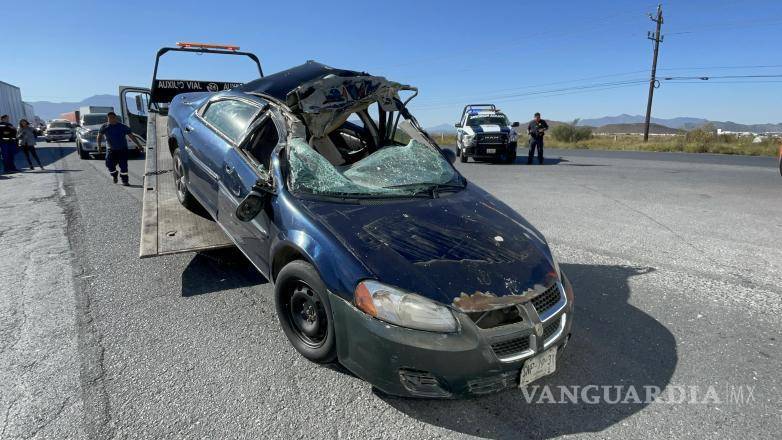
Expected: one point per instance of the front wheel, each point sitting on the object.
(304, 312)
(510, 156)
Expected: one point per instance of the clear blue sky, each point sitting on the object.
(455, 52)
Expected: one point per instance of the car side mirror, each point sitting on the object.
(515, 124)
(251, 206)
(256, 200)
(449, 154)
(457, 125)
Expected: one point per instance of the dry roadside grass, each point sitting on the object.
(675, 143)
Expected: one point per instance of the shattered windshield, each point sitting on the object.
(391, 171)
(488, 120)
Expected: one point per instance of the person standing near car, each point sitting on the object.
(116, 134)
(7, 144)
(26, 135)
(536, 130)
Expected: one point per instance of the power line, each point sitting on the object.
(547, 93)
(606, 20)
(705, 78)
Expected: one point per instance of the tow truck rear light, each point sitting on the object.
(185, 44)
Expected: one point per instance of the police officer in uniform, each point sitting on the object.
(536, 129)
(7, 144)
(117, 154)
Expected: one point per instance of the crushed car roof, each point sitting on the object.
(278, 85)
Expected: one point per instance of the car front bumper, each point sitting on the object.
(413, 363)
(59, 137)
(489, 151)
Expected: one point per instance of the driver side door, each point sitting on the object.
(243, 167)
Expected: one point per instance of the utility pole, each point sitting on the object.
(657, 38)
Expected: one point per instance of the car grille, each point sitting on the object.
(496, 318)
(485, 385)
(491, 138)
(551, 328)
(547, 299)
(510, 347)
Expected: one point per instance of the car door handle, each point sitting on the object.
(229, 169)
(188, 128)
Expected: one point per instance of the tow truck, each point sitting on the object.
(167, 227)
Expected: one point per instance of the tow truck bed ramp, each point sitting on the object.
(167, 227)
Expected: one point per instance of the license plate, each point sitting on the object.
(491, 150)
(538, 366)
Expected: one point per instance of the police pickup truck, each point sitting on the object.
(484, 133)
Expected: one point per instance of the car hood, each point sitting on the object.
(464, 249)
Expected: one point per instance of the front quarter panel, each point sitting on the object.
(296, 229)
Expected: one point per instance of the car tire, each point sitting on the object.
(464, 158)
(510, 156)
(180, 180)
(304, 312)
(458, 150)
(82, 154)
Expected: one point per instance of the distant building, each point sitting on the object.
(736, 133)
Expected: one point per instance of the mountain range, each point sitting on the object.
(685, 123)
(50, 110)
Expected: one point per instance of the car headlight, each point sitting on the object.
(402, 308)
(468, 138)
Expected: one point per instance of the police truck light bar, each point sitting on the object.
(186, 45)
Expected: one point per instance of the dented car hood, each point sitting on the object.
(464, 249)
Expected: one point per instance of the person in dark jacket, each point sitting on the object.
(26, 135)
(7, 144)
(116, 134)
(536, 130)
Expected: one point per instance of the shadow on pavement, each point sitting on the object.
(213, 271)
(48, 153)
(613, 343)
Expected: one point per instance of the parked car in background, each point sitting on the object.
(484, 132)
(87, 133)
(59, 130)
(383, 256)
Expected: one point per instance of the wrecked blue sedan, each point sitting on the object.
(383, 257)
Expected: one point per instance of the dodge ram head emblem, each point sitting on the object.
(538, 329)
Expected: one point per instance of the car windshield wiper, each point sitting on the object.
(349, 195)
(431, 187)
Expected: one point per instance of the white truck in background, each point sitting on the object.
(91, 118)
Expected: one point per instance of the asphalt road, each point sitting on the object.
(675, 258)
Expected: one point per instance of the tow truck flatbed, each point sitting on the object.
(167, 227)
